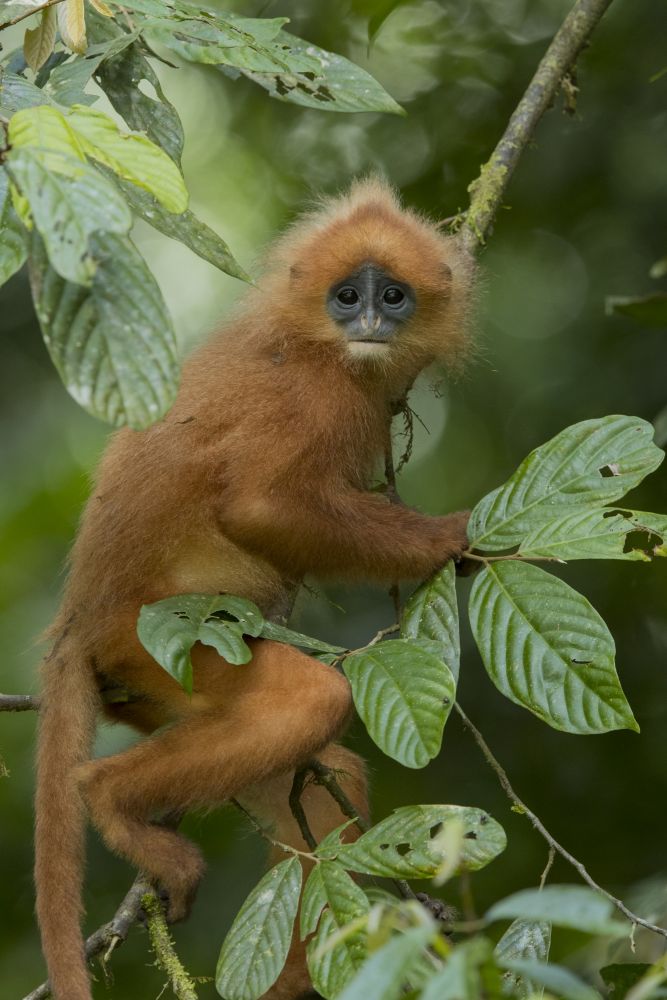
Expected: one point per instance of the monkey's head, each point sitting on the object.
(379, 284)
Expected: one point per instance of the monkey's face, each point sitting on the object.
(369, 307)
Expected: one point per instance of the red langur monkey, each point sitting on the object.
(258, 475)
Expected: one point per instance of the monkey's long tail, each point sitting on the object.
(68, 710)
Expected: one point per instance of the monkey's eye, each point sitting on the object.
(348, 296)
(393, 296)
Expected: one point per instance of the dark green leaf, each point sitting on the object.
(574, 906)
(619, 978)
(169, 629)
(13, 236)
(256, 946)
(547, 649)
(112, 343)
(649, 310)
(16, 93)
(404, 694)
(586, 465)
(432, 613)
(67, 82)
(402, 845)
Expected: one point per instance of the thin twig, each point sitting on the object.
(166, 958)
(296, 806)
(537, 823)
(29, 12)
(488, 190)
(257, 826)
(549, 865)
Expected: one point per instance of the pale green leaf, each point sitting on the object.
(44, 128)
(431, 612)
(69, 201)
(169, 629)
(38, 42)
(279, 633)
(13, 237)
(256, 946)
(573, 906)
(559, 981)
(586, 465)
(524, 939)
(403, 694)
(113, 343)
(385, 975)
(331, 889)
(547, 649)
(405, 844)
(606, 533)
(133, 157)
(461, 976)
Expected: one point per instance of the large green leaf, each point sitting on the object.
(404, 694)
(524, 940)
(256, 946)
(112, 343)
(546, 648)
(186, 228)
(69, 201)
(559, 981)
(607, 533)
(331, 889)
(67, 82)
(169, 629)
(574, 906)
(17, 93)
(432, 613)
(133, 157)
(46, 130)
(586, 465)
(404, 845)
(384, 975)
(13, 236)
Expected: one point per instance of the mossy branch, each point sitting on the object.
(166, 958)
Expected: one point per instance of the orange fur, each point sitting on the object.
(258, 475)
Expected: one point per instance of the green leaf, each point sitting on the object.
(69, 201)
(271, 630)
(67, 82)
(588, 464)
(384, 975)
(186, 228)
(461, 978)
(45, 129)
(112, 343)
(256, 946)
(608, 533)
(133, 157)
(546, 648)
(331, 889)
(649, 310)
(404, 695)
(38, 42)
(573, 906)
(17, 93)
(524, 939)
(335, 83)
(561, 982)
(432, 613)
(13, 237)
(619, 978)
(169, 629)
(402, 845)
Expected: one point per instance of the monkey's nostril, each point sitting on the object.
(376, 324)
(364, 321)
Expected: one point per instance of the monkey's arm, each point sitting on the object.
(350, 533)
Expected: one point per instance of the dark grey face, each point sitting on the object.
(370, 305)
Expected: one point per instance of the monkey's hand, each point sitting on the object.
(443, 912)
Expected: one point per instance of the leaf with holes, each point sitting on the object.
(547, 649)
(524, 940)
(573, 906)
(69, 201)
(404, 694)
(402, 845)
(607, 533)
(432, 613)
(113, 343)
(255, 949)
(14, 242)
(386, 972)
(169, 629)
(331, 901)
(586, 465)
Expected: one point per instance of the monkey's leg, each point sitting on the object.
(269, 803)
(253, 721)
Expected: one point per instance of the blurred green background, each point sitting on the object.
(585, 218)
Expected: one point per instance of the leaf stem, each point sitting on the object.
(537, 823)
(286, 848)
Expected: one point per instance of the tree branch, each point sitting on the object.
(18, 703)
(488, 190)
(28, 13)
(537, 823)
(181, 982)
